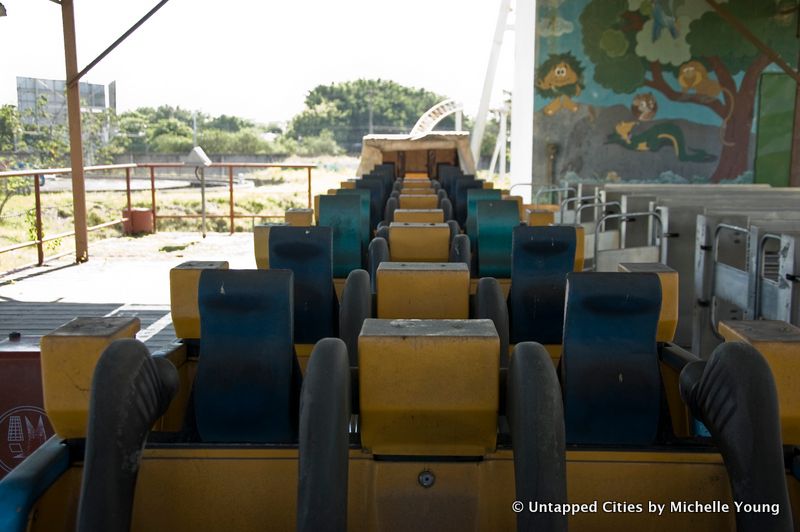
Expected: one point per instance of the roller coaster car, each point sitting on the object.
(318, 311)
(444, 439)
(418, 242)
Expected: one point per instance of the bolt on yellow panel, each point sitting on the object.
(423, 216)
(779, 342)
(429, 387)
(423, 290)
(668, 317)
(418, 201)
(299, 217)
(411, 242)
(69, 355)
(183, 282)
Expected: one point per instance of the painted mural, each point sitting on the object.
(653, 90)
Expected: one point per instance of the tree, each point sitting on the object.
(630, 48)
(344, 110)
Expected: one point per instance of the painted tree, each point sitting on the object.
(636, 43)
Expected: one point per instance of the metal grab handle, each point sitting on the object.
(544, 190)
(570, 200)
(759, 273)
(713, 279)
(624, 216)
(595, 205)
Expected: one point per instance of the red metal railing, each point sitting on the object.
(232, 216)
(129, 168)
(40, 239)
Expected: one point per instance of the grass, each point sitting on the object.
(276, 190)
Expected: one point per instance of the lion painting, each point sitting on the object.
(560, 78)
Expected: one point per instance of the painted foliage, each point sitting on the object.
(640, 89)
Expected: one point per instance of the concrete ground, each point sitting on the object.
(124, 276)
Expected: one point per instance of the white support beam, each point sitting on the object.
(522, 97)
(488, 80)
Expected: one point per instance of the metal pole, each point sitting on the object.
(488, 80)
(203, 200)
(128, 189)
(230, 185)
(75, 141)
(39, 231)
(309, 187)
(502, 139)
(153, 197)
(522, 98)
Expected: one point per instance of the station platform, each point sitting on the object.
(124, 277)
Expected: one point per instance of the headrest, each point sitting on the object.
(342, 213)
(307, 251)
(541, 259)
(248, 379)
(609, 362)
(496, 220)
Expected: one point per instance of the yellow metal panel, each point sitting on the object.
(779, 342)
(303, 352)
(580, 236)
(209, 489)
(541, 215)
(426, 216)
(417, 183)
(668, 317)
(183, 282)
(419, 242)
(241, 489)
(418, 201)
(505, 286)
(316, 209)
(299, 217)
(69, 355)
(350, 183)
(678, 411)
(423, 290)
(261, 246)
(417, 191)
(488, 185)
(429, 387)
(338, 286)
(416, 176)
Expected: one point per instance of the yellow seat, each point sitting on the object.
(183, 282)
(423, 290)
(69, 355)
(429, 387)
(431, 216)
(668, 317)
(299, 217)
(418, 201)
(779, 342)
(412, 242)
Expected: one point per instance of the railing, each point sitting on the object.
(232, 216)
(129, 168)
(40, 240)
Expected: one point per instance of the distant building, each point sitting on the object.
(31, 90)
